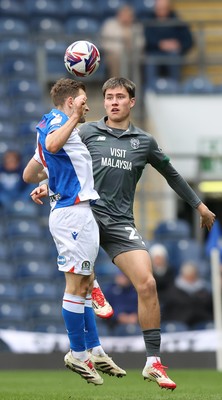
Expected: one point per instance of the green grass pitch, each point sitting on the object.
(65, 385)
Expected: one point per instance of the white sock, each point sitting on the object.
(151, 360)
(80, 355)
(98, 351)
(95, 283)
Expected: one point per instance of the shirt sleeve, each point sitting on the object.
(161, 162)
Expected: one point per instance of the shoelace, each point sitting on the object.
(160, 367)
(98, 296)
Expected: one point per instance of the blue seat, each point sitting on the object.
(166, 86)
(28, 110)
(13, 8)
(39, 270)
(29, 249)
(8, 130)
(27, 128)
(46, 8)
(48, 327)
(4, 250)
(172, 229)
(3, 88)
(198, 85)
(45, 311)
(16, 67)
(12, 312)
(23, 209)
(47, 26)
(23, 228)
(11, 26)
(82, 27)
(143, 8)
(173, 326)
(8, 291)
(21, 47)
(40, 291)
(24, 88)
(81, 8)
(5, 110)
(7, 271)
(109, 8)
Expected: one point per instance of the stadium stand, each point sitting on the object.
(34, 35)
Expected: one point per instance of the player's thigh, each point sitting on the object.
(136, 264)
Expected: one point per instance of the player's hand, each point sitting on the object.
(80, 103)
(38, 193)
(207, 217)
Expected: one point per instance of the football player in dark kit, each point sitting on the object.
(120, 152)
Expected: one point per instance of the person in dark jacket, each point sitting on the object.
(167, 39)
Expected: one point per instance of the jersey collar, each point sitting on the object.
(130, 131)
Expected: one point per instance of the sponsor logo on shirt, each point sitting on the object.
(101, 138)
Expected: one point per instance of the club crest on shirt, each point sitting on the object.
(135, 143)
(85, 266)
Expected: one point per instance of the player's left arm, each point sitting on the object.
(34, 172)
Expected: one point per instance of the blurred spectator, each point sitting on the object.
(12, 186)
(162, 271)
(123, 297)
(122, 37)
(167, 38)
(189, 300)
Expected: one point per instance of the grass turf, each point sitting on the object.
(66, 385)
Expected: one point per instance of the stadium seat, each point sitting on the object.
(198, 85)
(48, 327)
(13, 8)
(4, 250)
(45, 8)
(82, 27)
(40, 291)
(23, 209)
(29, 249)
(21, 47)
(47, 26)
(41, 270)
(3, 88)
(166, 86)
(143, 8)
(5, 110)
(28, 110)
(23, 228)
(12, 312)
(173, 326)
(24, 88)
(8, 130)
(16, 67)
(81, 8)
(7, 271)
(13, 27)
(8, 291)
(109, 8)
(172, 229)
(45, 311)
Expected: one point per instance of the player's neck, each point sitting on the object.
(124, 125)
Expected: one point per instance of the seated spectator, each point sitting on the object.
(162, 271)
(123, 297)
(12, 186)
(189, 300)
(167, 38)
(121, 36)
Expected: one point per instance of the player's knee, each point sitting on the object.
(147, 288)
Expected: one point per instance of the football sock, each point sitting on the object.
(95, 283)
(73, 314)
(152, 342)
(91, 333)
(151, 360)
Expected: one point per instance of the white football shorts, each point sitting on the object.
(76, 236)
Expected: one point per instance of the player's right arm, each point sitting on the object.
(34, 172)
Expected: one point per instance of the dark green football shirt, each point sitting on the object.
(119, 158)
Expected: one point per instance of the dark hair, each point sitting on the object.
(64, 88)
(123, 82)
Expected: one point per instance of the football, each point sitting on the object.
(82, 58)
